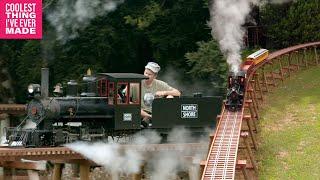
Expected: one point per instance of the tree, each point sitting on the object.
(292, 23)
(208, 63)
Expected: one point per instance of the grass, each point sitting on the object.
(290, 129)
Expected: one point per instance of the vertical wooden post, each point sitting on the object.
(316, 55)
(218, 119)
(114, 175)
(193, 172)
(281, 70)
(254, 94)
(244, 135)
(251, 132)
(202, 166)
(33, 175)
(4, 122)
(289, 64)
(272, 75)
(305, 57)
(75, 170)
(7, 174)
(242, 164)
(265, 79)
(1, 173)
(257, 81)
(252, 112)
(56, 175)
(255, 105)
(297, 59)
(84, 171)
(138, 175)
(251, 95)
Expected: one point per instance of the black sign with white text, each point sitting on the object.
(189, 111)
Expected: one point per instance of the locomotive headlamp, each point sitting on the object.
(33, 88)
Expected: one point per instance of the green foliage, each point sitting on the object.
(208, 62)
(147, 17)
(26, 67)
(292, 23)
(120, 41)
(174, 30)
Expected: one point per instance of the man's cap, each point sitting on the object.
(154, 67)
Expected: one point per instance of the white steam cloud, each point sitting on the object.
(173, 77)
(109, 156)
(2, 140)
(29, 125)
(160, 165)
(71, 16)
(227, 18)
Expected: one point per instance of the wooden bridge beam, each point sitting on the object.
(244, 136)
(252, 135)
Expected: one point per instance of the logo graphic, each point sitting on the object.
(20, 19)
(127, 117)
(189, 111)
(148, 99)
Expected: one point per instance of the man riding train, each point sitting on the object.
(151, 88)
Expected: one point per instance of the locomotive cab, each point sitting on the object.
(123, 92)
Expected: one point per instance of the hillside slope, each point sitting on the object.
(290, 129)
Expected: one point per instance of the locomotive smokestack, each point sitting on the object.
(44, 82)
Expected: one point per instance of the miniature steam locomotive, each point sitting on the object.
(235, 91)
(108, 105)
(237, 81)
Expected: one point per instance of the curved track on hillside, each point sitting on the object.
(222, 159)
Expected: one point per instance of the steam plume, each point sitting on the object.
(70, 16)
(109, 156)
(162, 165)
(227, 17)
(114, 159)
(2, 140)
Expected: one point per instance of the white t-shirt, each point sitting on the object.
(148, 93)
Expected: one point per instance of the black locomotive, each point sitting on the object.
(235, 91)
(108, 105)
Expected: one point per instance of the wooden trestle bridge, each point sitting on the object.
(231, 147)
(223, 157)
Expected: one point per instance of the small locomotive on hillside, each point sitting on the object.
(237, 81)
(236, 90)
(108, 105)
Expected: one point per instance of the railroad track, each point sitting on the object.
(223, 152)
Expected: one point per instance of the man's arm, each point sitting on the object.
(172, 92)
(145, 114)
